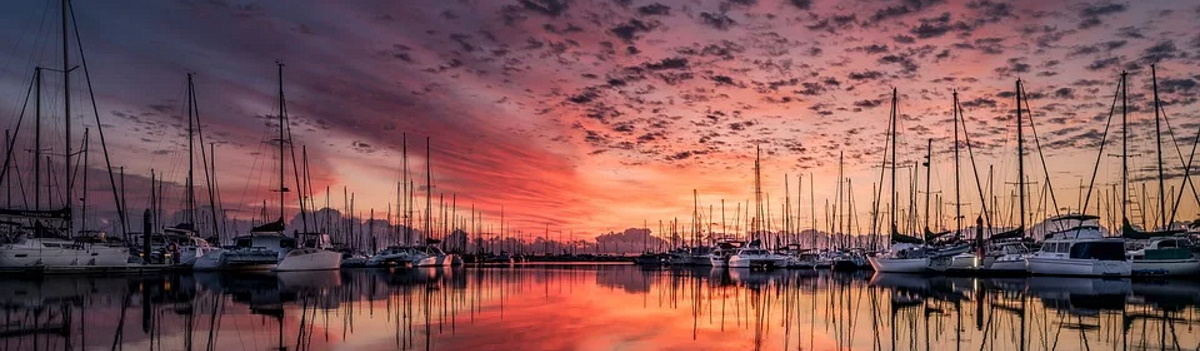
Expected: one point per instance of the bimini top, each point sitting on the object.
(1075, 217)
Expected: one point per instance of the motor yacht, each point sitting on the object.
(754, 256)
(1080, 250)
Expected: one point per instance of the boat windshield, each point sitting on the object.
(1099, 250)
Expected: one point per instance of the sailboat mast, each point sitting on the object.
(37, 139)
(191, 180)
(407, 199)
(1124, 148)
(757, 194)
(66, 69)
(838, 211)
(1162, 198)
(957, 188)
(1020, 159)
(892, 213)
(83, 205)
(928, 173)
(428, 191)
(282, 122)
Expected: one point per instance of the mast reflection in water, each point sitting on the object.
(593, 308)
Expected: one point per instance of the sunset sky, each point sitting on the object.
(592, 116)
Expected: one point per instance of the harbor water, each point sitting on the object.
(593, 307)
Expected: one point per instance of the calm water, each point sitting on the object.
(593, 308)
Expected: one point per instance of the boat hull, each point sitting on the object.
(311, 261)
(1078, 267)
(96, 257)
(718, 262)
(765, 262)
(224, 260)
(899, 265)
(437, 261)
(1167, 267)
(1004, 266)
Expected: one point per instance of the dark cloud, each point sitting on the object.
(1171, 86)
(723, 80)
(991, 11)
(584, 97)
(865, 75)
(873, 49)
(1163, 50)
(655, 9)
(717, 20)
(834, 23)
(871, 103)
(937, 26)
(979, 102)
(629, 30)
(1064, 93)
(1130, 33)
(667, 63)
(1091, 14)
(1094, 10)
(1103, 63)
(552, 8)
(902, 60)
(1016, 65)
(801, 4)
(905, 8)
(811, 89)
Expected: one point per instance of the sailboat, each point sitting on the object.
(180, 244)
(40, 237)
(1161, 252)
(1006, 252)
(753, 255)
(266, 247)
(907, 254)
(429, 254)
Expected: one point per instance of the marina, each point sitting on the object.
(578, 175)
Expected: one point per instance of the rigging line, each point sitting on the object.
(1103, 138)
(210, 179)
(300, 193)
(112, 180)
(1187, 168)
(8, 154)
(962, 119)
(878, 196)
(21, 39)
(1037, 141)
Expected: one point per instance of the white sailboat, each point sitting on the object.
(313, 255)
(907, 254)
(1007, 257)
(433, 256)
(266, 247)
(719, 256)
(38, 237)
(1166, 251)
(60, 254)
(1166, 256)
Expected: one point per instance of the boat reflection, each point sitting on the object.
(593, 307)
